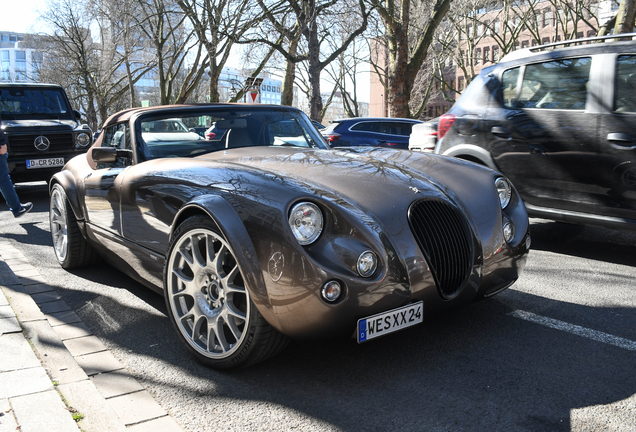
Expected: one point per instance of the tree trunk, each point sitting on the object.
(315, 68)
(625, 17)
(287, 92)
(399, 84)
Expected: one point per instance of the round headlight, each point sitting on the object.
(82, 140)
(504, 189)
(305, 221)
(367, 263)
(508, 232)
(331, 291)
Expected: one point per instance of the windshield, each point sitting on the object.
(226, 129)
(33, 103)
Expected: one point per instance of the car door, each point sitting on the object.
(396, 134)
(547, 142)
(364, 133)
(617, 143)
(103, 184)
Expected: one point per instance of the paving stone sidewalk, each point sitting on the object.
(54, 371)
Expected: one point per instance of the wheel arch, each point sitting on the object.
(66, 180)
(231, 226)
(472, 153)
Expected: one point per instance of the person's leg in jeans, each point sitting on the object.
(8, 190)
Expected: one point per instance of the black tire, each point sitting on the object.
(71, 248)
(208, 302)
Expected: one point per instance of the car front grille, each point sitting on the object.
(442, 233)
(24, 143)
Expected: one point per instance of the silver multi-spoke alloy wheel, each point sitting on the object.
(59, 223)
(206, 294)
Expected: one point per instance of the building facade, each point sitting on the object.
(17, 63)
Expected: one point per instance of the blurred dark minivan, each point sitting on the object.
(559, 120)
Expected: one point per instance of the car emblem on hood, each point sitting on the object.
(414, 189)
(41, 143)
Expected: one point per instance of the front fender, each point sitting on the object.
(67, 181)
(231, 226)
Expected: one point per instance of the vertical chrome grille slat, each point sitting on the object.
(442, 234)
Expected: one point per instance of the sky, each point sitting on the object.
(21, 16)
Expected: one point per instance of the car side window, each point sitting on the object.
(558, 84)
(625, 85)
(396, 128)
(509, 81)
(366, 127)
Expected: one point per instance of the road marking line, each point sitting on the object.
(575, 329)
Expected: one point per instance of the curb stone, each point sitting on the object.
(58, 352)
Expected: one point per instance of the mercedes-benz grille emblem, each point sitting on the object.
(41, 143)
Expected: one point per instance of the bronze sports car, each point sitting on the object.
(265, 233)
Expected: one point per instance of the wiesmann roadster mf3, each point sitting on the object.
(267, 233)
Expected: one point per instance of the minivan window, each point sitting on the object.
(509, 86)
(559, 84)
(625, 87)
(365, 127)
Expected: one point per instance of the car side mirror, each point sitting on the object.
(109, 154)
(78, 115)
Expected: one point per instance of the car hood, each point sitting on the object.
(384, 182)
(35, 125)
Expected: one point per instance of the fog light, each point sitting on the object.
(508, 232)
(331, 291)
(528, 241)
(367, 263)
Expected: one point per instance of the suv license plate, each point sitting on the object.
(44, 163)
(388, 322)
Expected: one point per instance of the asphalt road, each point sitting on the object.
(556, 352)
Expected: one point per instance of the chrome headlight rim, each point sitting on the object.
(306, 222)
(82, 140)
(364, 258)
(504, 191)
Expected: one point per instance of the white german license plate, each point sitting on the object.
(44, 163)
(388, 322)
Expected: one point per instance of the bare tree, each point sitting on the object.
(93, 60)
(304, 39)
(163, 23)
(406, 51)
(218, 24)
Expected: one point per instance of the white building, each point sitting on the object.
(232, 80)
(17, 64)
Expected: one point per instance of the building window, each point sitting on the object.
(477, 55)
(20, 65)
(547, 17)
(497, 26)
(6, 66)
(460, 83)
(539, 19)
(545, 40)
(525, 44)
(495, 54)
(5, 38)
(486, 55)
